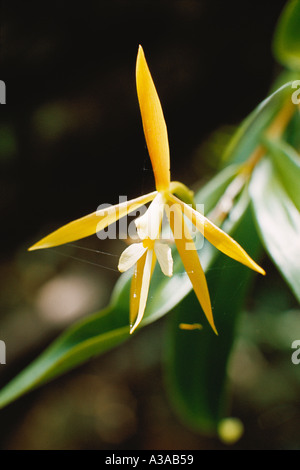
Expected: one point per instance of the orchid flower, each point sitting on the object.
(143, 255)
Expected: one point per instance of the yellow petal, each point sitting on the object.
(154, 125)
(92, 223)
(217, 237)
(190, 259)
(140, 289)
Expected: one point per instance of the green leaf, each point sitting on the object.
(196, 361)
(292, 135)
(110, 327)
(286, 43)
(278, 222)
(249, 133)
(287, 163)
(210, 194)
(89, 337)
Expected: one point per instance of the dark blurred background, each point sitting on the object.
(70, 139)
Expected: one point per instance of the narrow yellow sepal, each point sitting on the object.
(154, 125)
(188, 253)
(92, 223)
(221, 240)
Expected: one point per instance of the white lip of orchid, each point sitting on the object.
(134, 252)
(148, 228)
(164, 257)
(131, 255)
(149, 224)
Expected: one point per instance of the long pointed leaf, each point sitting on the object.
(278, 221)
(287, 163)
(287, 36)
(249, 133)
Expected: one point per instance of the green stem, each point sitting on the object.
(183, 192)
(275, 131)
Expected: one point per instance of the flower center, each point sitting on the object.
(148, 243)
